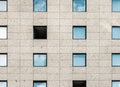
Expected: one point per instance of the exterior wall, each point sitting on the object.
(59, 45)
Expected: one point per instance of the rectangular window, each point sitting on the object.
(3, 83)
(39, 83)
(40, 5)
(40, 59)
(3, 32)
(40, 32)
(3, 5)
(79, 83)
(115, 32)
(79, 32)
(79, 59)
(3, 59)
(116, 59)
(79, 5)
(115, 83)
(115, 5)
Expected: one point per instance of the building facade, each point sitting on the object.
(59, 43)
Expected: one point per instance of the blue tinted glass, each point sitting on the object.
(40, 5)
(40, 59)
(40, 84)
(116, 59)
(116, 84)
(79, 32)
(79, 59)
(3, 5)
(79, 5)
(115, 5)
(116, 32)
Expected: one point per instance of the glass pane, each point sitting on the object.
(79, 5)
(116, 5)
(116, 59)
(40, 5)
(116, 32)
(79, 33)
(3, 59)
(39, 60)
(40, 84)
(3, 32)
(3, 6)
(116, 84)
(3, 84)
(79, 60)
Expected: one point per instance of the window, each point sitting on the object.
(3, 59)
(3, 5)
(115, 5)
(40, 32)
(40, 84)
(79, 83)
(115, 32)
(79, 59)
(79, 5)
(79, 32)
(40, 5)
(115, 83)
(40, 59)
(3, 83)
(116, 59)
(3, 32)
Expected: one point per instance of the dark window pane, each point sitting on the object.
(79, 83)
(40, 32)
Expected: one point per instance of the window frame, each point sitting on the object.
(112, 33)
(79, 38)
(112, 60)
(41, 54)
(38, 38)
(6, 60)
(40, 11)
(114, 81)
(79, 54)
(79, 11)
(79, 81)
(6, 32)
(5, 81)
(39, 81)
(6, 5)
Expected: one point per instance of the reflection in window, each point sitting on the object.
(79, 5)
(115, 59)
(3, 5)
(40, 59)
(115, 32)
(115, 83)
(3, 83)
(79, 59)
(3, 59)
(40, 84)
(79, 32)
(115, 5)
(3, 32)
(40, 5)
(79, 83)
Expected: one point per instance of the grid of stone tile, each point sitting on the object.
(59, 46)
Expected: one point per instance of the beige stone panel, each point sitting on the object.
(105, 83)
(92, 22)
(67, 63)
(26, 15)
(91, 9)
(93, 70)
(105, 26)
(40, 49)
(115, 76)
(65, 36)
(105, 77)
(105, 43)
(26, 63)
(53, 43)
(3, 49)
(79, 49)
(51, 70)
(13, 43)
(65, 8)
(13, 29)
(92, 77)
(53, 2)
(26, 77)
(65, 15)
(53, 21)
(40, 70)
(93, 56)
(25, 2)
(40, 22)
(93, 63)
(105, 2)
(93, 36)
(115, 43)
(53, 15)
(26, 29)
(15, 82)
(26, 8)
(40, 15)
(3, 15)
(14, 63)
(105, 70)
(92, 49)
(105, 63)
(65, 56)
(3, 76)
(25, 83)
(13, 70)
(65, 77)
(65, 22)
(40, 43)
(26, 36)
(77, 15)
(13, 36)
(65, 43)
(51, 28)
(105, 50)
(65, 70)
(93, 29)
(66, 83)
(14, 2)
(62, 2)
(105, 8)
(13, 21)
(13, 49)
(53, 83)
(90, 83)
(79, 77)
(26, 56)
(53, 77)
(53, 57)
(13, 15)
(92, 43)
(115, 15)
(3, 43)
(82, 22)
(115, 22)
(66, 29)
(13, 76)
(93, 16)
(40, 77)
(53, 49)
(79, 70)
(53, 36)
(106, 56)
(115, 70)
(53, 63)
(3, 22)
(53, 8)
(26, 43)
(104, 15)
(26, 21)
(26, 70)
(13, 56)
(26, 49)
(3, 70)
(105, 36)
(65, 49)
(79, 43)
(13, 8)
